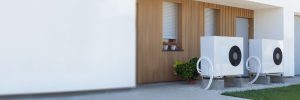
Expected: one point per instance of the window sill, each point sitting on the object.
(177, 50)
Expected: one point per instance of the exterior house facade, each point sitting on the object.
(74, 45)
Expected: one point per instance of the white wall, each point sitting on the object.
(288, 34)
(277, 23)
(268, 23)
(66, 45)
(290, 4)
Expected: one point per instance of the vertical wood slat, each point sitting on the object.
(222, 20)
(154, 65)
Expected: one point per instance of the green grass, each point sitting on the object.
(282, 93)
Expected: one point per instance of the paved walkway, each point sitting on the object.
(160, 91)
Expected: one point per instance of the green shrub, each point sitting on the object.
(186, 71)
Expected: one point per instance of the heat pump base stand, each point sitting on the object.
(222, 83)
(233, 81)
(265, 79)
(217, 83)
(277, 78)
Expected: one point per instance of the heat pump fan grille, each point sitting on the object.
(235, 55)
(277, 56)
(199, 65)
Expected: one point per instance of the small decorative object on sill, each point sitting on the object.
(165, 46)
(173, 47)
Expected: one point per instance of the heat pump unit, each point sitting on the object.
(225, 54)
(269, 52)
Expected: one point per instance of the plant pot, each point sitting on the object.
(192, 81)
(165, 47)
(173, 47)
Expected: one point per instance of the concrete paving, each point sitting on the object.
(160, 91)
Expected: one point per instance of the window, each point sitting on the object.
(171, 26)
(211, 22)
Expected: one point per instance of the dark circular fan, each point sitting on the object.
(277, 56)
(235, 56)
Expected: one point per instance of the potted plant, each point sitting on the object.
(165, 45)
(187, 71)
(173, 46)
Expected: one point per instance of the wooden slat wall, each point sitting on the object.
(227, 18)
(154, 65)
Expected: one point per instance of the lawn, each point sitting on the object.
(282, 93)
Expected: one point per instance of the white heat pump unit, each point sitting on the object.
(225, 55)
(270, 54)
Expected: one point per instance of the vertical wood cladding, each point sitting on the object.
(155, 65)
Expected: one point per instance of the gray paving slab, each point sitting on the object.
(160, 91)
